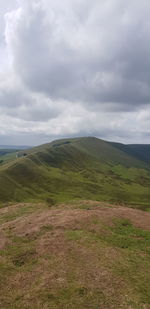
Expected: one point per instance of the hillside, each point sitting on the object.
(7, 155)
(141, 152)
(80, 168)
(76, 255)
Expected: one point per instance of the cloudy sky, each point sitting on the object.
(74, 68)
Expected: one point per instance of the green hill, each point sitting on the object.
(79, 168)
(141, 152)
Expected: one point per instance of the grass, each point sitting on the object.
(18, 256)
(16, 212)
(77, 258)
(122, 235)
(125, 235)
(133, 263)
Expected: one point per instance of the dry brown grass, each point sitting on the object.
(58, 258)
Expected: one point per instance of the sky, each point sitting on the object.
(74, 68)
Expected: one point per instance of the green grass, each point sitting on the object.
(123, 235)
(19, 254)
(84, 168)
(134, 252)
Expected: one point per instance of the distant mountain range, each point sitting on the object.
(79, 168)
(13, 147)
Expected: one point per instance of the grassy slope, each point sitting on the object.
(79, 255)
(78, 168)
(141, 152)
(7, 155)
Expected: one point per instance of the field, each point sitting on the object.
(75, 255)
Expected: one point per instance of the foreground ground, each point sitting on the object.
(78, 255)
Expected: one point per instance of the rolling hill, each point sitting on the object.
(79, 168)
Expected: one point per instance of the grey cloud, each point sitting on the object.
(92, 60)
(19, 103)
(27, 139)
(11, 98)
